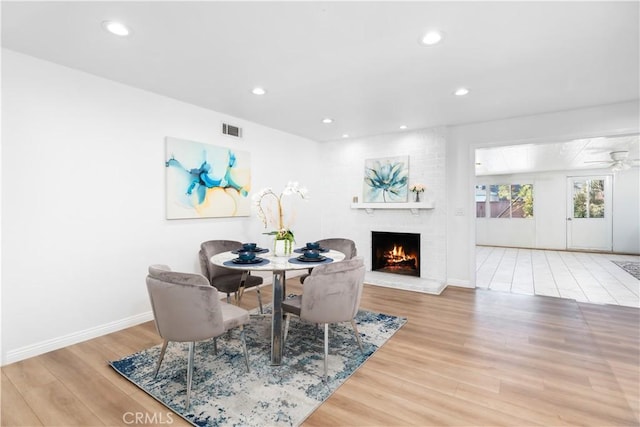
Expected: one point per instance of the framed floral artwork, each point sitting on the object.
(386, 180)
(206, 181)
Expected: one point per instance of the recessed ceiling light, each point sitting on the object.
(327, 120)
(345, 135)
(431, 38)
(461, 91)
(258, 91)
(116, 28)
(403, 127)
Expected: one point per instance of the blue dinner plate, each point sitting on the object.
(256, 260)
(301, 250)
(256, 250)
(305, 259)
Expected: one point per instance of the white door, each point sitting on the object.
(589, 224)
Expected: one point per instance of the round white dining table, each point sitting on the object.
(278, 265)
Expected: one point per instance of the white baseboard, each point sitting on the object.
(460, 283)
(73, 338)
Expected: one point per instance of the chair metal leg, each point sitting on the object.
(164, 348)
(215, 346)
(326, 350)
(241, 288)
(355, 329)
(228, 298)
(192, 346)
(244, 346)
(286, 328)
(259, 299)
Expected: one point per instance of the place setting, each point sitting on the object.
(311, 246)
(247, 256)
(250, 247)
(311, 253)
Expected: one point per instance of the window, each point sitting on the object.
(588, 198)
(500, 201)
(505, 201)
(521, 201)
(481, 201)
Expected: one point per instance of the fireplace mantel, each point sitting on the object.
(410, 206)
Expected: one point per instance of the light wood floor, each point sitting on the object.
(465, 358)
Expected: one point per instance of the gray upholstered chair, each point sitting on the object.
(346, 246)
(187, 309)
(224, 279)
(332, 294)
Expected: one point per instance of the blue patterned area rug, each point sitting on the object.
(224, 394)
(631, 267)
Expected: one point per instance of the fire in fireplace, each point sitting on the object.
(397, 253)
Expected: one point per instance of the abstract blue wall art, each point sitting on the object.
(206, 181)
(386, 180)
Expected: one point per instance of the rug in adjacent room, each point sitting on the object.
(224, 394)
(631, 267)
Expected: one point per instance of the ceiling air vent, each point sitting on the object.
(231, 130)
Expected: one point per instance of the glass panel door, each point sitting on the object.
(589, 220)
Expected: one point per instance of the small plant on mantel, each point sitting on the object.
(417, 189)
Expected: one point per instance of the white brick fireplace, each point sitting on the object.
(343, 166)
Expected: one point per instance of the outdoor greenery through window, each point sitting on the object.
(588, 198)
(504, 201)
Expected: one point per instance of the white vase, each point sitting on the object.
(281, 247)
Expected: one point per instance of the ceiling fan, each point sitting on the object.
(619, 161)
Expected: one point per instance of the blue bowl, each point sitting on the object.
(311, 253)
(313, 245)
(249, 246)
(246, 255)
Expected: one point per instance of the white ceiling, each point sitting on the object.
(555, 156)
(359, 63)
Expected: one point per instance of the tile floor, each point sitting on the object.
(582, 276)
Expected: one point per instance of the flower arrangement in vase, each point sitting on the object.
(271, 212)
(417, 189)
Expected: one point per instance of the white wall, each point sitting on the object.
(626, 211)
(83, 194)
(342, 173)
(83, 199)
(547, 228)
(615, 119)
